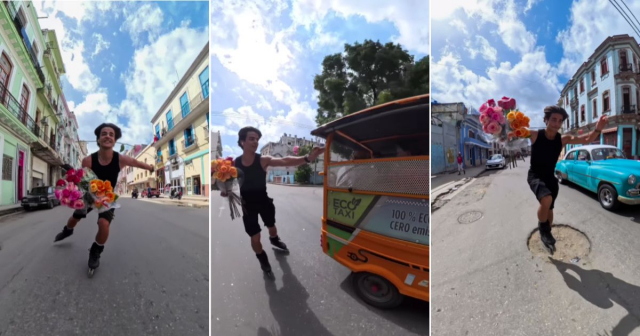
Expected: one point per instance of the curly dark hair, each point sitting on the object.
(116, 129)
(242, 135)
(549, 110)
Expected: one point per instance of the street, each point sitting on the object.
(486, 281)
(312, 293)
(152, 279)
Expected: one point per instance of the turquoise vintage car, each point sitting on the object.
(602, 169)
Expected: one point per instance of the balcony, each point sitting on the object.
(19, 26)
(16, 118)
(198, 106)
(629, 109)
(45, 149)
(190, 143)
(626, 67)
(574, 102)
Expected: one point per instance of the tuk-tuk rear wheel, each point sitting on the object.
(376, 290)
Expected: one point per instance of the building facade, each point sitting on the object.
(473, 146)
(216, 145)
(181, 132)
(607, 83)
(141, 178)
(446, 120)
(283, 148)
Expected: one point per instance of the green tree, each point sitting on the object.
(365, 75)
(303, 173)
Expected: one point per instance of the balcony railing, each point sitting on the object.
(629, 109)
(14, 107)
(13, 11)
(190, 143)
(574, 101)
(624, 67)
(175, 121)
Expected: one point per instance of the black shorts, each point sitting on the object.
(108, 215)
(265, 209)
(544, 186)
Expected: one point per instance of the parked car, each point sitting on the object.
(154, 193)
(604, 170)
(40, 197)
(496, 161)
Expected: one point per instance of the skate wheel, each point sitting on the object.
(91, 272)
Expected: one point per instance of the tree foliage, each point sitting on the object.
(365, 75)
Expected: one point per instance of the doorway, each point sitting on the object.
(21, 164)
(627, 136)
(626, 100)
(196, 185)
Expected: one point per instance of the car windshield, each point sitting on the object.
(40, 191)
(495, 157)
(607, 153)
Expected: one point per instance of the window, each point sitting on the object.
(582, 85)
(189, 139)
(604, 68)
(583, 155)
(184, 105)
(593, 76)
(24, 100)
(158, 131)
(204, 82)
(159, 159)
(7, 168)
(582, 114)
(605, 102)
(169, 120)
(571, 156)
(172, 147)
(595, 108)
(567, 99)
(35, 48)
(575, 92)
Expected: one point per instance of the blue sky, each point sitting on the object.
(124, 58)
(526, 49)
(265, 55)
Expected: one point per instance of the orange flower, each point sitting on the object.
(100, 194)
(110, 197)
(527, 133)
(515, 124)
(98, 204)
(227, 163)
(224, 169)
(93, 187)
(107, 185)
(519, 132)
(527, 120)
(100, 185)
(511, 116)
(519, 116)
(234, 172)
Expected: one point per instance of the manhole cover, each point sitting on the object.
(469, 217)
(571, 244)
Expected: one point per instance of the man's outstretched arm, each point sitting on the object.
(291, 161)
(588, 138)
(127, 161)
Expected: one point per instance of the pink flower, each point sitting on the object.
(78, 204)
(491, 102)
(71, 172)
(507, 103)
(485, 129)
(484, 119)
(61, 183)
(65, 201)
(80, 173)
(77, 179)
(492, 127)
(498, 130)
(495, 116)
(502, 120)
(58, 193)
(76, 195)
(483, 108)
(66, 193)
(490, 111)
(498, 109)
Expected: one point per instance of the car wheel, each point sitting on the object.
(376, 290)
(50, 204)
(608, 197)
(561, 179)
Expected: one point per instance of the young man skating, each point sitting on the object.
(253, 168)
(546, 146)
(106, 164)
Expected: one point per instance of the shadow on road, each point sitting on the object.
(289, 306)
(412, 315)
(602, 289)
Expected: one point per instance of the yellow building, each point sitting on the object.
(181, 131)
(143, 179)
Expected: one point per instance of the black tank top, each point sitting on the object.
(109, 172)
(545, 154)
(253, 179)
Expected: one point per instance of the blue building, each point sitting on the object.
(607, 83)
(473, 145)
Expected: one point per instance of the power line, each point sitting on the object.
(634, 16)
(621, 11)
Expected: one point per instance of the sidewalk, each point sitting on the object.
(9, 209)
(445, 178)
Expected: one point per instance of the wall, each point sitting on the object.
(443, 150)
(40, 166)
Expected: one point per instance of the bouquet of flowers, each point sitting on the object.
(81, 189)
(505, 123)
(225, 177)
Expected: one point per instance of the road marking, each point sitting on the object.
(220, 214)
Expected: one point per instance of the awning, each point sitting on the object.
(476, 142)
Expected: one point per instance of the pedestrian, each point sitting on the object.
(546, 146)
(460, 167)
(253, 190)
(196, 187)
(106, 164)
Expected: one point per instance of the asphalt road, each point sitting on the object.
(153, 277)
(311, 295)
(486, 282)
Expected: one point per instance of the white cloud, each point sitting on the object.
(591, 22)
(78, 73)
(323, 39)
(112, 67)
(101, 44)
(530, 4)
(482, 47)
(411, 18)
(457, 23)
(147, 18)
